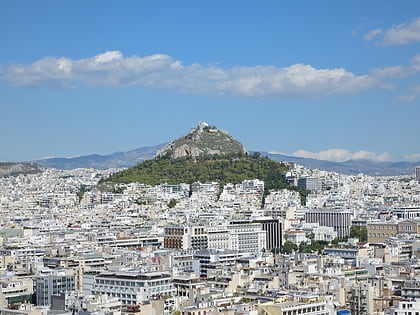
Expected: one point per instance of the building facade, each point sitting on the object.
(59, 281)
(133, 288)
(340, 220)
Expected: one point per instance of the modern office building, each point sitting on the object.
(418, 174)
(208, 259)
(55, 283)
(313, 184)
(273, 227)
(340, 220)
(133, 288)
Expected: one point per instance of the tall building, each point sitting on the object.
(273, 227)
(418, 174)
(59, 281)
(313, 184)
(338, 219)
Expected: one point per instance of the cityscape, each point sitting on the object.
(210, 157)
(75, 241)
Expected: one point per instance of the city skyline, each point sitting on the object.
(336, 81)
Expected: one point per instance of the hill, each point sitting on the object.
(205, 140)
(228, 168)
(13, 169)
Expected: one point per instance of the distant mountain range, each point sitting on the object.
(207, 139)
(113, 160)
(351, 167)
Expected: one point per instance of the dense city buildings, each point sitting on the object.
(70, 245)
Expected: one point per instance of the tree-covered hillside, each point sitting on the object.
(232, 168)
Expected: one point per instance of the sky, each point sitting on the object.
(334, 80)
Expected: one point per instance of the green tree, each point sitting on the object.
(289, 247)
(359, 232)
(228, 168)
(335, 242)
(311, 236)
(172, 203)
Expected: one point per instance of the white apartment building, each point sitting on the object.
(324, 233)
(313, 306)
(133, 288)
(244, 237)
(218, 237)
(406, 308)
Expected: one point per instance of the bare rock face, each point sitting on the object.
(203, 140)
(13, 169)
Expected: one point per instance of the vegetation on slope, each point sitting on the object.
(230, 168)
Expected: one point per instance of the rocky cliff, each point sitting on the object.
(202, 140)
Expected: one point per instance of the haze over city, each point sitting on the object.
(330, 80)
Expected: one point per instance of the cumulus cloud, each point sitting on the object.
(398, 71)
(373, 33)
(112, 69)
(403, 34)
(342, 155)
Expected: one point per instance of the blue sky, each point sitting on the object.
(326, 79)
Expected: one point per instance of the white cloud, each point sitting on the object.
(410, 97)
(403, 34)
(406, 98)
(342, 155)
(398, 71)
(373, 33)
(112, 69)
(278, 152)
(415, 157)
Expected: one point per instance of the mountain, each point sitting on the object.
(12, 169)
(203, 140)
(113, 160)
(350, 167)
